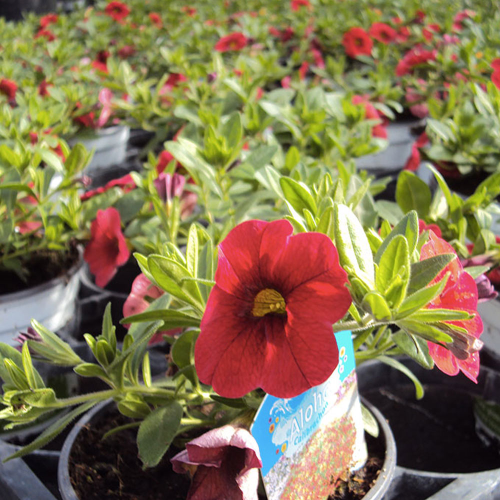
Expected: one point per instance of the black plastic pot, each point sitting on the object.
(440, 455)
(13, 10)
(378, 491)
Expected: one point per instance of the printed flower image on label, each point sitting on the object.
(308, 441)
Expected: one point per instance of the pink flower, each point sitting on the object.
(107, 248)
(304, 68)
(458, 21)
(268, 320)
(357, 42)
(460, 293)
(126, 51)
(172, 186)
(223, 463)
(233, 42)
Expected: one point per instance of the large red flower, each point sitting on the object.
(383, 33)
(117, 10)
(232, 42)
(357, 42)
(268, 320)
(460, 293)
(223, 463)
(107, 248)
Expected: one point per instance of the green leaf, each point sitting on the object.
(376, 305)
(157, 432)
(233, 131)
(192, 249)
(426, 331)
(408, 227)
(133, 406)
(419, 390)
(394, 260)
(415, 347)
(77, 159)
(52, 432)
(432, 315)
(90, 370)
(352, 243)
(412, 193)
(420, 298)
(183, 349)
(168, 274)
(298, 195)
(29, 370)
(424, 271)
(171, 318)
(370, 423)
(238, 403)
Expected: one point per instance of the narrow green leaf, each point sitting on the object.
(90, 370)
(424, 271)
(192, 250)
(419, 390)
(182, 350)
(395, 257)
(415, 347)
(298, 195)
(370, 423)
(29, 370)
(238, 403)
(157, 432)
(376, 305)
(420, 298)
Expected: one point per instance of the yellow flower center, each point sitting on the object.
(268, 301)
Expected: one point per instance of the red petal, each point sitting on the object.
(470, 366)
(444, 359)
(438, 246)
(229, 352)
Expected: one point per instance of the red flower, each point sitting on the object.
(357, 42)
(223, 463)
(422, 226)
(190, 11)
(403, 34)
(297, 4)
(126, 183)
(8, 88)
(232, 42)
(268, 320)
(126, 51)
(460, 293)
(117, 10)
(495, 64)
(163, 160)
(304, 68)
(383, 33)
(47, 34)
(412, 58)
(107, 248)
(495, 78)
(413, 161)
(43, 88)
(100, 66)
(156, 19)
(285, 82)
(371, 113)
(458, 21)
(428, 31)
(48, 19)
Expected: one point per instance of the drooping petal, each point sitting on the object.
(444, 359)
(470, 366)
(229, 352)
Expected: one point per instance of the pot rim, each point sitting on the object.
(34, 290)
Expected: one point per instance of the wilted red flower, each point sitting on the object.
(297, 4)
(117, 10)
(126, 183)
(232, 42)
(414, 57)
(8, 88)
(156, 19)
(357, 42)
(419, 16)
(268, 320)
(107, 248)
(223, 463)
(48, 19)
(126, 51)
(47, 34)
(460, 293)
(383, 33)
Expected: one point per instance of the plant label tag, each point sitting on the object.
(307, 442)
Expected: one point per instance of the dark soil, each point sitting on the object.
(357, 485)
(42, 267)
(436, 433)
(111, 469)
